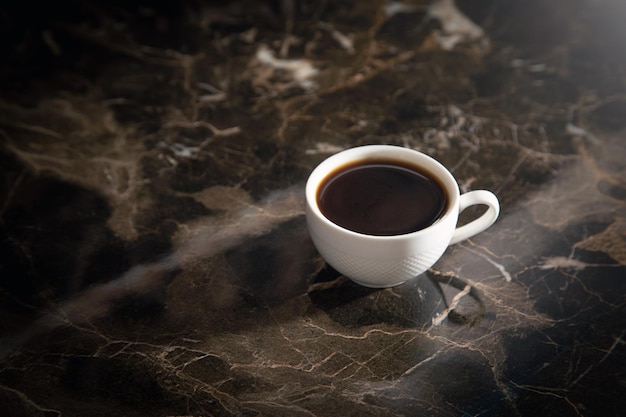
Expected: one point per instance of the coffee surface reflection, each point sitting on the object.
(383, 198)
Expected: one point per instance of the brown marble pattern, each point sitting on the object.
(154, 259)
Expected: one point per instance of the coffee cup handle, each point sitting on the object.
(472, 198)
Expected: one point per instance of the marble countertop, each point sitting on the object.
(154, 257)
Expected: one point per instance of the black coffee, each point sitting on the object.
(381, 198)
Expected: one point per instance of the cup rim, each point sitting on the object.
(365, 152)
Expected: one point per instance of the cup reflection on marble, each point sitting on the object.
(386, 260)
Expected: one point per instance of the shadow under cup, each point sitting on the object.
(388, 259)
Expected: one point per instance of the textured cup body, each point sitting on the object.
(380, 261)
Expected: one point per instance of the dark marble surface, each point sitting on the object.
(154, 259)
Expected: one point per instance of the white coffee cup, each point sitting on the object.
(386, 261)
